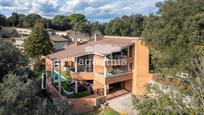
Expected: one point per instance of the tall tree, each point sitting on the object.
(3, 20)
(38, 42)
(22, 95)
(125, 26)
(76, 20)
(14, 18)
(21, 20)
(61, 22)
(31, 19)
(175, 36)
(96, 26)
(11, 59)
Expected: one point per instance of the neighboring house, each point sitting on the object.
(50, 31)
(59, 42)
(19, 42)
(61, 33)
(78, 36)
(110, 63)
(23, 31)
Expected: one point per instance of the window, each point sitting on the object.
(66, 64)
(124, 52)
(130, 51)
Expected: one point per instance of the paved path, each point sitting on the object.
(122, 104)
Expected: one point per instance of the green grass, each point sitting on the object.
(65, 75)
(81, 94)
(65, 86)
(106, 111)
(78, 95)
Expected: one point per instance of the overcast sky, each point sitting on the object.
(94, 10)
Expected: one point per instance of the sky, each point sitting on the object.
(94, 10)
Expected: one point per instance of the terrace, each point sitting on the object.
(70, 88)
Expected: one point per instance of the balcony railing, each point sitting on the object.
(115, 62)
(80, 75)
(114, 72)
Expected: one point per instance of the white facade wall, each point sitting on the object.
(61, 33)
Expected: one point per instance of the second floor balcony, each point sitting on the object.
(114, 71)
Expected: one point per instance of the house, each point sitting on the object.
(19, 42)
(23, 31)
(59, 42)
(109, 63)
(50, 31)
(61, 33)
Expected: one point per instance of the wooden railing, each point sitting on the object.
(82, 75)
(51, 89)
(84, 104)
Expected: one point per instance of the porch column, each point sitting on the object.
(105, 90)
(128, 53)
(76, 86)
(105, 69)
(75, 64)
(52, 70)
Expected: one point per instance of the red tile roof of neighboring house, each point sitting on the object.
(74, 51)
(56, 38)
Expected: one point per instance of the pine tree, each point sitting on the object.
(38, 42)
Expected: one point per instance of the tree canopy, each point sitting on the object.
(77, 18)
(125, 26)
(13, 19)
(31, 19)
(176, 38)
(38, 42)
(11, 59)
(61, 22)
(3, 20)
(176, 33)
(22, 95)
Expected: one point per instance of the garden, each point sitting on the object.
(69, 86)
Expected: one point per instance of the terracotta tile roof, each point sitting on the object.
(74, 51)
(57, 38)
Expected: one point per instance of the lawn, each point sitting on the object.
(66, 86)
(64, 74)
(81, 94)
(106, 111)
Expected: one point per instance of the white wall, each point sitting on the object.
(61, 33)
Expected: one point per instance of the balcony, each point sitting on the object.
(81, 75)
(118, 70)
(120, 61)
(114, 78)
